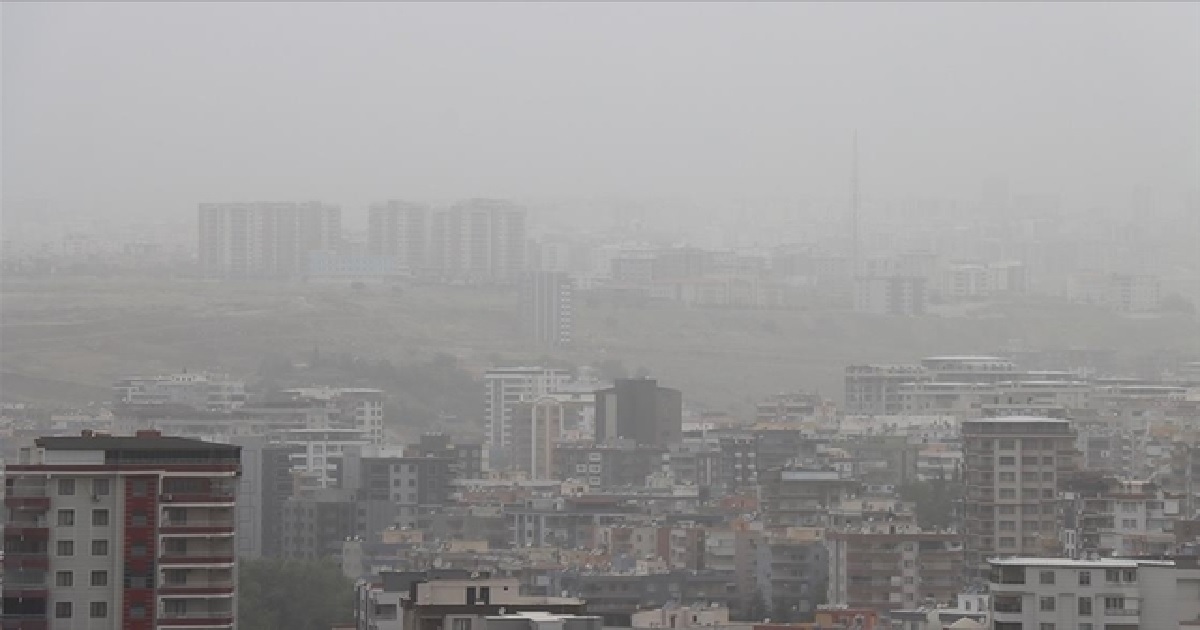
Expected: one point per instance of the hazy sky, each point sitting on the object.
(145, 107)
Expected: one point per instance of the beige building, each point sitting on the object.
(1012, 470)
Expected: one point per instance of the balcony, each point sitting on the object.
(27, 560)
(206, 618)
(1121, 612)
(220, 497)
(24, 622)
(32, 501)
(216, 588)
(35, 530)
(225, 527)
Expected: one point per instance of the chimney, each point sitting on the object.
(147, 434)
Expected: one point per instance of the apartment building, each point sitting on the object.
(1097, 594)
(874, 390)
(120, 532)
(479, 240)
(885, 566)
(264, 240)
(358, 408)
(504, 388)
(638, 409)
(399, 231)
(1013, 470)
(546, 308)
(891, 295)
(197, 390)
(801, 497)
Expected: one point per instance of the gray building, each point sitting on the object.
(265, 240)
(546, 308)
(639, 410)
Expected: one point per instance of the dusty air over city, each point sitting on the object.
(600, 316)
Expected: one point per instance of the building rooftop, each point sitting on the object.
(144, 442)
(1097, 563)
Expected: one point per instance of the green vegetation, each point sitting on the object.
(292, 595)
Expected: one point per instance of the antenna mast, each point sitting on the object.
(854, 209)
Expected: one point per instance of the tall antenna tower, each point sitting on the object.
(854, 209)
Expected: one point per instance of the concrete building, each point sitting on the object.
(319, 452)
(266, 482)
(891, 295)
(358, 408)
(885, 566)
(547, 308)
(537, 427)
(462, 604)
(639, 410)
(480, 240)
(874, 390)
(504, 389)
(399, 230)
(196, 390)
(120, 532)
(800, 497)
(611, 465)
(264, 240)
(1012, 473)
(1101, 594)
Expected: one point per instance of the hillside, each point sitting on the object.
(68, 339)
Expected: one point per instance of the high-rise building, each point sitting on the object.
(1013, 468)
(121, 532)
(537, 426)
(480, 240)
(504, 389)
(546, 312)
(400, 230)
(271, 240)
(891, 295)
(638, 409)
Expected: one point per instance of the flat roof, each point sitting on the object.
(1016, 419)
(1098, 563)
(131, 443)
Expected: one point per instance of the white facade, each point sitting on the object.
(1102, 594)
(322, 452)
(504, 388)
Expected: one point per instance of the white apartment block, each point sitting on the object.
(359, 408)
(1099, 594)
(199, 390)
(504, 388)
(320, 452)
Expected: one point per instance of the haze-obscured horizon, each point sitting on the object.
(126, 110)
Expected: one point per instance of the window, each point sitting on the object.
(1007, 493)
(412, 483)
(1114, 603)
(908, 579)
(138, 487)
(1047, 461)
(1030, 526)
(62, 610)
(99, 547)
(99, 518)
(66, 547)
(1046, 577)
(66, 487)
(1128, 507)
(1029, 477)
(1046, 626)
(1085, 606)
(1008, 542)
(98, 610)
(66, 518)
(1046, 604)
(1085, 626)
(1047, 476)
(1007, 461)
(64, 578)
(1007, 444)
(1047, 493)
(99, 578)
(461, 624)
(137, 611)
(139, 519)
(1029, 461)
(1008, 509)
(1130, 575)
(1112, 576)
(1008, 526)
(1008, 477)
(138, 550)
(100, 487)
(1085, 578)
(1129, 523)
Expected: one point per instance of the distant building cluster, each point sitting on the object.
(962, 491)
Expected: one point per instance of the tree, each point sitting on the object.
(293, 595)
